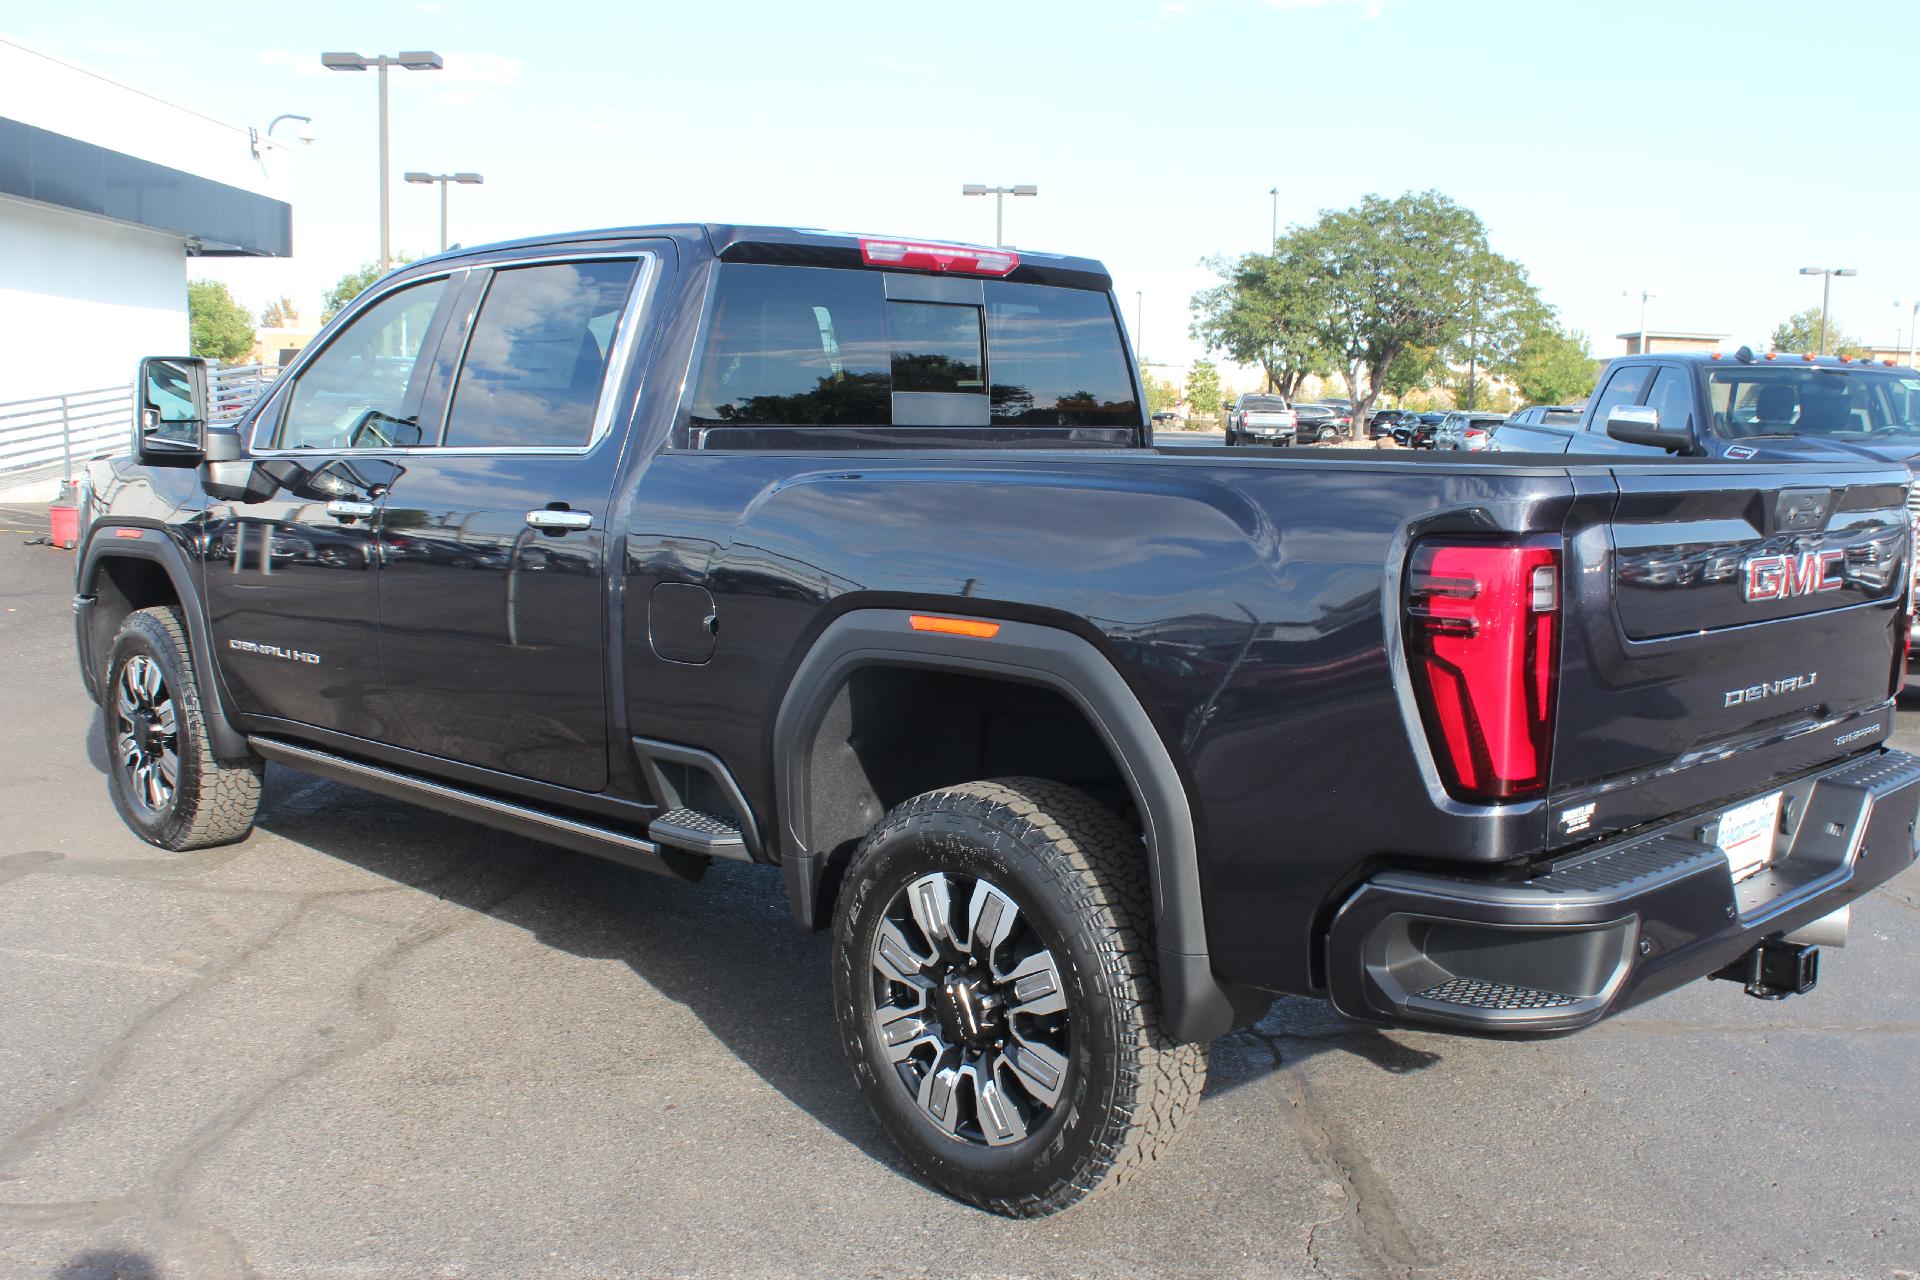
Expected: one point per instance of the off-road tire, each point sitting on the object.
(1082, 874)
(214, 800)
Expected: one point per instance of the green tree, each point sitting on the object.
(1161, 394)
(1263, 313)
(1399, 277)
(1801, 332)
(353, 284)
(1203, 389)
(1551, 366)
(221, 329)
(280, 314)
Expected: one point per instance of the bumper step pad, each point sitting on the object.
(1478, 994)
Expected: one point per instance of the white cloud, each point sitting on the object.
(1368, 8)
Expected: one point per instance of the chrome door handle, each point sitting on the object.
(342, 509)
(560, 520)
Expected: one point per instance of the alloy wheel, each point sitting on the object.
(147, 734)
(970, 1008)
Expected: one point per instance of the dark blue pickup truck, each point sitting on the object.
(1744, 407)
(852, 557)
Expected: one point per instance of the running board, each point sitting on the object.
(490, 811)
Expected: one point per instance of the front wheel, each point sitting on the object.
(995, 985)
(165, 780)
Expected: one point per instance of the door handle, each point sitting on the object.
(560, 521)
(342, 509)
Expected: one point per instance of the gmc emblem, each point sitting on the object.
(1780, 577)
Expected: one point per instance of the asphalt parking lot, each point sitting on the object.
(371, 1041)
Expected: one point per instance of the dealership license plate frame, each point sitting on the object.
(1745, 834)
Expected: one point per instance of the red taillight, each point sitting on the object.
(938, 257)
(1484, 647)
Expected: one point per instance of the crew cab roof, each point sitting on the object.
(799, 246)
(1762, 357)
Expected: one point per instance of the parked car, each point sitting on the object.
(1467, 430)
(1261, 419)
(1417, 432)
(1320, 423)
(1165, 418)
(1554, 415)
(1034, 720)
(1383, 422)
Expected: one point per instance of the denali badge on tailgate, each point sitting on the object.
(1772, 689)
(1779, 577)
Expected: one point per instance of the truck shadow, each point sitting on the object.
(726, 949)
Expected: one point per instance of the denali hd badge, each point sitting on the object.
(275, 651)
(1780, 577)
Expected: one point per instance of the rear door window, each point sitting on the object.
(821, 346)
(537, 355)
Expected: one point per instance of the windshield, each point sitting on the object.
(1775, 400)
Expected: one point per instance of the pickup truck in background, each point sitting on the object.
(851, 558)
(1261, 419)
(1743, 407)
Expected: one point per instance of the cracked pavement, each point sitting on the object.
(371, 1041)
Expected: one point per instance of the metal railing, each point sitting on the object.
(48, 437)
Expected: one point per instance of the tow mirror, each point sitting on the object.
(171, 411)
(1640, 424)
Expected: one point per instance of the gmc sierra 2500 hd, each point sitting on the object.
(851, 556)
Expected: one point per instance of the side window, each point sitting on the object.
(796, 346)
(1673, 397)
(1624, 387)
(362, 391)
(537, 355)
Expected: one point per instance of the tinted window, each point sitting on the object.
(1623, 387)
(1673, 397)
(935, 346)
(359, 392)
(1054, 358)
(538, 352)
(818, 346)
(1263, 404)
(795, 346)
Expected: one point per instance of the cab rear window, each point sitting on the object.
(820, 346)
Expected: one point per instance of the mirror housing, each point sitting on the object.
(170, 411)
(1640, 424)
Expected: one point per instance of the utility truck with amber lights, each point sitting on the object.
(853, 558)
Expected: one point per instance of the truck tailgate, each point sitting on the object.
(1727, 625)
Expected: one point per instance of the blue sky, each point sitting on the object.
(1703, 151)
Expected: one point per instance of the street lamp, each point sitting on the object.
(1826, 293)
(1643, 295)
(445, 180)
(412, 60)
(980, 189)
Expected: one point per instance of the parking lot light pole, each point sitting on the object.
(999, 194)
(1643, 295)
(445, 180)
(411, 60)
(1826, 294)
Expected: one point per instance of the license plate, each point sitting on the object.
(1746, 834)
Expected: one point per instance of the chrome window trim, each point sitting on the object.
(626, 338)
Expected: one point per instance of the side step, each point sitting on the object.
(490, 811)
(699, 832)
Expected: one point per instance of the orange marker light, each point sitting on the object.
(126, 533)
(955, 626)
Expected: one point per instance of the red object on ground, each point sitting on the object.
(66, 526)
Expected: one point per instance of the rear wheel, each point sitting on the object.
(994, 980)
(164, 778)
